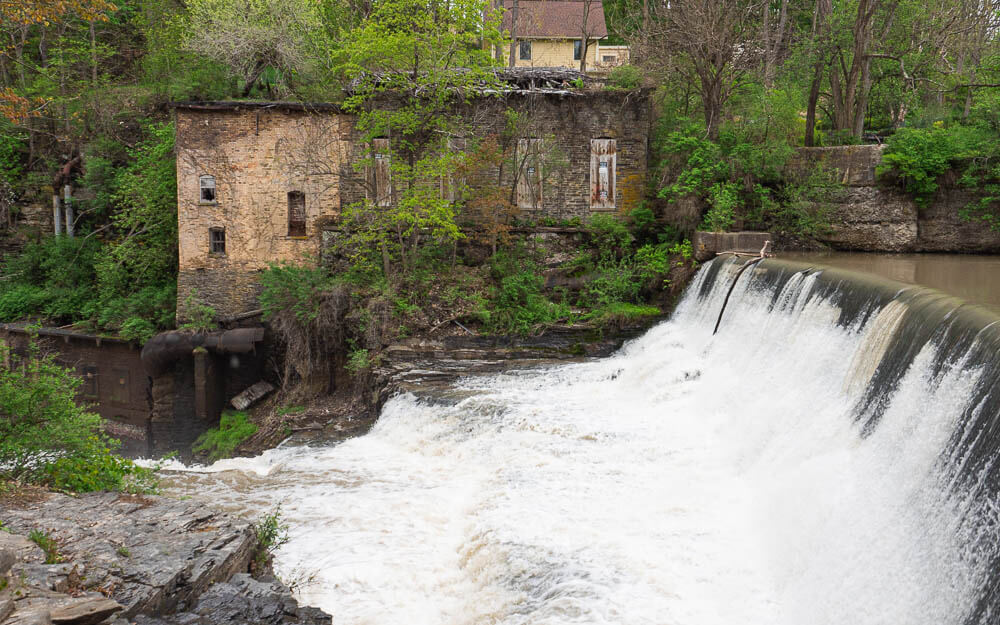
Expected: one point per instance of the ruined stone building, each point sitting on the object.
(259, 182)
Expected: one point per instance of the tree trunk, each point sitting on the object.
(513, 34)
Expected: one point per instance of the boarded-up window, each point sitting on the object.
(381, 179)
(529, 179)
(602, 173)
(453, 185)
(217, 240)
(89, 388)
(120, 386)
(296, 214)
(207, 189)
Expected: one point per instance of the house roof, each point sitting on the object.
(556, 19)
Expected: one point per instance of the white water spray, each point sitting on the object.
(689, 479)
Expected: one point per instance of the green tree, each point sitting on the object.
(412, 64)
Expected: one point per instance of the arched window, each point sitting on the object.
(296, 214)
(207, 185)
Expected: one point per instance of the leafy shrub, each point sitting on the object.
(21, 301)
(46, 437)
(625, 77)
(723, 200)
(297, 288)
(200, 316)
(358, 360)
(99, 468)
(271, 534)
(516, 304)
(918, 156)
(609, 236)
(221, 442)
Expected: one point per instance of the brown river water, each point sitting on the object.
(974, 278)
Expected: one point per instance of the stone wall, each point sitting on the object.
(257, 156)
(872, 215)
(260, 152)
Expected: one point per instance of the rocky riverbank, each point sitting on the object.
(111, 558)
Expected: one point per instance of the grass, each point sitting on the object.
(620, 312)
(47, 544)
(221, 442)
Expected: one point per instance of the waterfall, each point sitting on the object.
(826, 458)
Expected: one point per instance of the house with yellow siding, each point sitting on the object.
(551, 33)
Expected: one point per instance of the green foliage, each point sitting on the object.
(200, 316)
(47, 544)
(128, 277)
(270, 534)
(296, 288)
(46, 437)
(917, 157)
(625, 77)
(517, 304)
(742, 174)
(358, 360)
(98, 468)
(619, 312)
(410, 46)
(723, 199)
(220, 442)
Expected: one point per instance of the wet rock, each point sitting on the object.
(245, 601)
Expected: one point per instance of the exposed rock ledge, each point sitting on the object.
(125, 559)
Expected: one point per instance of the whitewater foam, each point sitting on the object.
(688, 479)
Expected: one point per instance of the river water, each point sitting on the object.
(690, 479)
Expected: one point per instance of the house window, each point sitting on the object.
(609, 59)
(453, 185)
(603, 161)
(207, 185)
(525, 50)
(296, 214)
(89, 388)
(382, 183)
(577, 49)
(217, 240)
(529, 174)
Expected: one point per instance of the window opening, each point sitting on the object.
(453, 185)
(296, 214)
(525, 50)
(603, 159)
(529, 180)
(207, 184)
(217, 240)
(383, 172)
(577, 49)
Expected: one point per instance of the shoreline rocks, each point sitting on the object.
(120, 558)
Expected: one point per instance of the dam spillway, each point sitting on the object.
(828, 457)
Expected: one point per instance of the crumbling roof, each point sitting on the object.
(556, 19)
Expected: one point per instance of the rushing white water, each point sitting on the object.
(689, 479)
